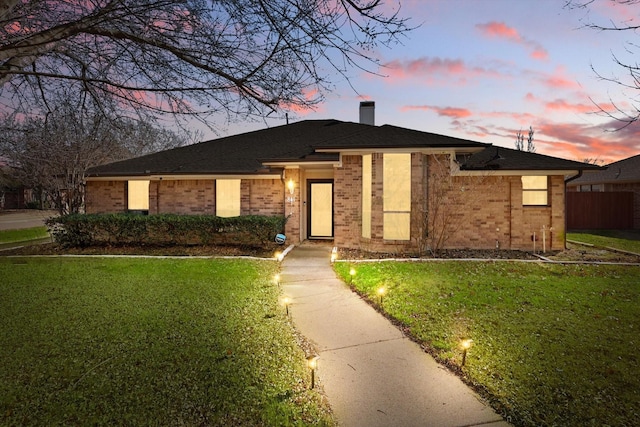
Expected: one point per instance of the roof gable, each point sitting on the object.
(622, 171)
(506, 159)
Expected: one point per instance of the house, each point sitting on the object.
(378, 188)
(611, 197)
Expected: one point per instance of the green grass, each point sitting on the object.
(149, 342)
(626, 240)
(11, 236)
(552, 344)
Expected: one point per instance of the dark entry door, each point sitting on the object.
(320, 213)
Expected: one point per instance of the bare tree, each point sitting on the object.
(52, 155)
(632, 69)
(446, 204)
(519, 143)
(188, 58)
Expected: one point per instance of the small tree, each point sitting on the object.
(445, 203)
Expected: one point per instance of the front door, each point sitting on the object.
(320, 212)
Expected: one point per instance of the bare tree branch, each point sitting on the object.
(189, 57)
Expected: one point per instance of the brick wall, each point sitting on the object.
(262, 197)
(347, 202)
(106, 197)
(480, 212)
(184, 197)
(292, 210)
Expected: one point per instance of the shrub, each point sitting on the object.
(81, 230)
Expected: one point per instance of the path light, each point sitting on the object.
(465, 344)
(279, 256)
(286, 301)
(276, 279)
(312, 363)
(334, 254)
(381, 292)
(352, 272)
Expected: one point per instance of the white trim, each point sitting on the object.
(294, 164)
(422, 150)
(180, 177)
(457, 172)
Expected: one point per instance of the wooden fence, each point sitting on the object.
(611, 210)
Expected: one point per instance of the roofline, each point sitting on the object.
(298, 162)
(514, 172)
(174, 177)
(445, 149)
(606, 181)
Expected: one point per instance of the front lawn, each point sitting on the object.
(552, 344)
(626, 240)
(149, 342)
(11, 236)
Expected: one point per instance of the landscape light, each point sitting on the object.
(381, 292)
(312, 363)
(334, 254)
(352, 272)
(466, 345)
(286, 301)
(279, 256)
(276, 278)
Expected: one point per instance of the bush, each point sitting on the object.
(82, 230)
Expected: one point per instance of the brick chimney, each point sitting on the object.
(368, 113)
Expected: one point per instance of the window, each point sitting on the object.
(366, 196)
(535, 191)
(227, 197)
(138, 196)
(397, 196)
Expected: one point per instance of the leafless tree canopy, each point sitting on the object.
(632, 69)
(51, 155)
(188, 57)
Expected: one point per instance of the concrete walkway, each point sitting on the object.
(371, 374)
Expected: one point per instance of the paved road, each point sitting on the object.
(15, 220)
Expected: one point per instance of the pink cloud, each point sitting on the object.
(436, 70)
(454, 112)
(499, 29)
(502, 31)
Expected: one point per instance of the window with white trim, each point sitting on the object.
(227, 197)
(535, 190)
(397, 196)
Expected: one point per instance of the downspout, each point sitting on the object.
(566, 181)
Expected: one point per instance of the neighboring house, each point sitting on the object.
(379, 188)
(618, 188)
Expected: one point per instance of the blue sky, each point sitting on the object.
(485, 69)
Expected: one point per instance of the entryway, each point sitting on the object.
(320, 209)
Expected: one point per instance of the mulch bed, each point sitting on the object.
(150, 250)
(573, 252)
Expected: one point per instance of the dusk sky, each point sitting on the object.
(485, 69)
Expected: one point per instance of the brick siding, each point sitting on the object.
(480, 212)
(105, 197)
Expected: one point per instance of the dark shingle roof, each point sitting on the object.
(500, 158)
(622, 171)
(248, 153)
(245, 153)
